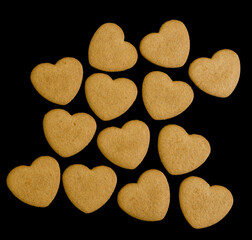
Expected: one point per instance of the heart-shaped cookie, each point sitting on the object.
(89, 189)
(127, 146)
(68, 134)
(37, 184)
(169, 47)
(203, 205)
(164, 98)
(109, 98)
(179, 152)
(60, 82)
(148, 199)
(109, 52)
(217, 76)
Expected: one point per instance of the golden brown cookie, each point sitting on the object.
(68, 134)
(37, 184)
(148, 199)
(89, 189)
(180, 152)
(109, 52)
(169, 47)
(127, 146)
(217, 76)
(203, 205)
(164, 98)
(109, 98)
(60, 82)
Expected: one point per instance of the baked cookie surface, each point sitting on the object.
(109, 52)
(60, 82)
(169, 47)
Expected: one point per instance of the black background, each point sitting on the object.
(42, 34)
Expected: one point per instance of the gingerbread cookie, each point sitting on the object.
(127, 146)
(109, 98)
(217, 76)
(109, 52)
(203, 205)
(180, 152)
(148, 199)
(68, 134)
(89, 189)
(169, 47)
(37, 184)
(164, 98)
(60, 82)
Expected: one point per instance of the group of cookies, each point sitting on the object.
(126, 147)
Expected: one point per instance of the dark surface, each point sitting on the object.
(42, 36)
